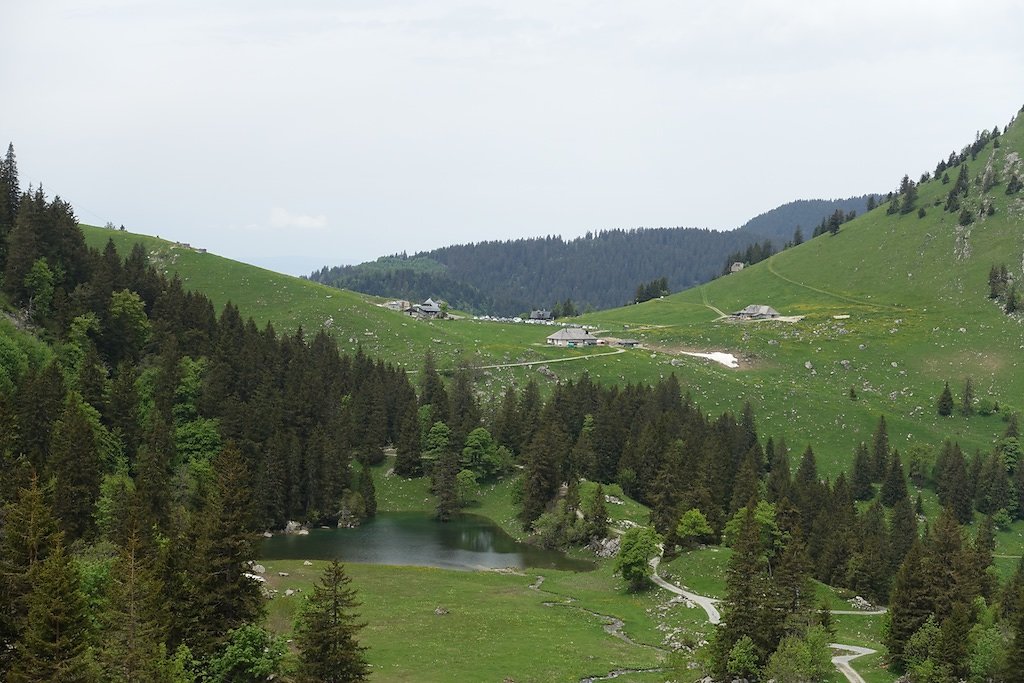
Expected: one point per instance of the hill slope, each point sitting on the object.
(599, 270)
(894, 305)
(915, 290)
(779, 224)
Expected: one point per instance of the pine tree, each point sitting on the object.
(596, 514)
(55, 643)
(909, 606)
(445, 472)
(27, 537)
(224, 597)
(326, 632)
(967, 402)
(75, 466)
(10, 196)
(540, 478)
(407, 450)
(894, 487)
(860, 480)
(879, 450)
(945, 404)
(134, 630)
(902, 532)
(743, 608)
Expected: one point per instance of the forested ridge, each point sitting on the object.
(599, 270)
(147, 439)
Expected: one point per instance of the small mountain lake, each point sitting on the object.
(467, 542)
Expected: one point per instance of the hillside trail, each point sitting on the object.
(524, 364)
(841, 297)
(704, 298)
(841, 662)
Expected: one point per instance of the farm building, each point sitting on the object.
(541, 315)
(427, 309)
(629, 343)
(572, 336)
(756, 312)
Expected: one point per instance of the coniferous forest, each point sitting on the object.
(599, 270)
(147, 439)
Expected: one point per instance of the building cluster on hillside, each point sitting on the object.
(756, 312)
(429, 309)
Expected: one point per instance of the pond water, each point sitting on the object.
(414, 538)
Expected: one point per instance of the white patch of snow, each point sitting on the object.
(726, 359)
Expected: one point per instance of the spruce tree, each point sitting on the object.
(445, 472)
(75, 467)
(326, 632)
(743, 607)
(596, 514)
(134, 632)
(28, 536)
(967, 401)
(224, 597)
(909, 606)
(945, 404)
(879, 450)
(54, 645)
(407, 450)
(540, 477)
(894, 487)
(860, 480)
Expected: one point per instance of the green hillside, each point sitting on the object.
(355, 319)
(915, 290)
(916, 293)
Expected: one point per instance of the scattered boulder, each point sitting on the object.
(259, 569)
(292, 527)
(267, 534)
(440, 611)
(307, 563)
(605, 547)
(283, 574)
(289, 592)
(860, 603)
(809, 365)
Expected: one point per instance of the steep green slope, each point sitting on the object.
(915, 290)
(355, 319)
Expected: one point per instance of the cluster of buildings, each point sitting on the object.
(428, 309)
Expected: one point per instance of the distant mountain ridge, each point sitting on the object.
(599, 270)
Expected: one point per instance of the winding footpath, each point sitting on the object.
(841, 662)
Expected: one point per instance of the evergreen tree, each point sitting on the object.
(445, 473)
(743, 608)
(902, 532)
(75, 467)
(432, 391)
(28, 535)
(55, 643)
(909, 606)
(134, 629)
(779, 484)
(879, 450)
(860, 481)
(223, 597)
(894, 487)
(540, 477)
(595, 513)
(10, 196)
(945, 404)
(407, 450)
(967, 402)
(326, 632)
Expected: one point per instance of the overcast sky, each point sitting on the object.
(302, 133)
